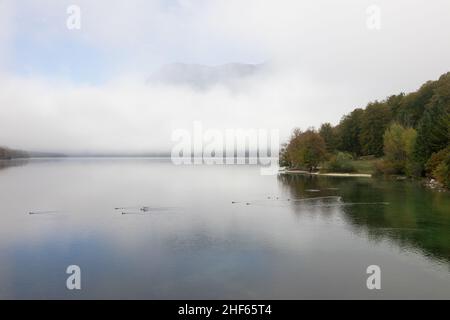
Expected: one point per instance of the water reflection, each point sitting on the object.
(210, 232)
(412, 217)
(5, 164)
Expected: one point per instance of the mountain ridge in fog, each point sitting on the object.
(203, 77)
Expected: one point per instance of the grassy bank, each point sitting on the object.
(364, 166)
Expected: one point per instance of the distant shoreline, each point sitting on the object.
(83, 157)
(329, 174)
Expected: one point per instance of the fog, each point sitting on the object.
(87, 91)
(133, 116)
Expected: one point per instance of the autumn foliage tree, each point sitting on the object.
(305, 150)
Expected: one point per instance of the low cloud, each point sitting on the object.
(131, 116)
(323, 63)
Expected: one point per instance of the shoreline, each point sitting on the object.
(329, 174)
(430, 184)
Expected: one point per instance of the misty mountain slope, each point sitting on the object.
(203, 77)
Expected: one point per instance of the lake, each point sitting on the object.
(215, 232)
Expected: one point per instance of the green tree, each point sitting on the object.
(327, 132)
(375, 120)
(340, 162)
(398, 148)
(412, 106)
(433, 131)
(348, 132)
(395, 104)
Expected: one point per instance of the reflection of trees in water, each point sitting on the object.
(5, 164)
(307, 187)
(415, 217)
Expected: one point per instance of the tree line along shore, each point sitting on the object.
(405, 135)
(8, 154)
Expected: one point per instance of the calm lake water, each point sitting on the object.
(194, 243)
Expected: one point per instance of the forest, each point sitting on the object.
(7, 154)
(405, 134)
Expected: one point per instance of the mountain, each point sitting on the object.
(203, 77)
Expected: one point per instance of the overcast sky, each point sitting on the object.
(85, 90)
